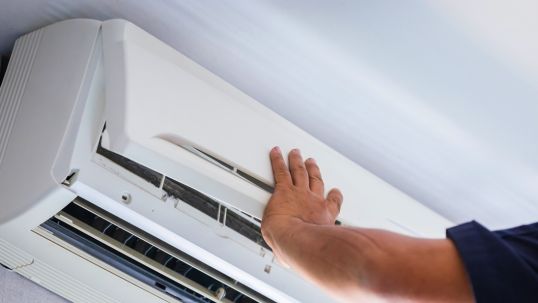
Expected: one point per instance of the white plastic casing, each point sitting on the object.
(160, 100)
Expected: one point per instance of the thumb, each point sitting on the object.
(334, 201)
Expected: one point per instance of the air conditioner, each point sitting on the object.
(128, 173)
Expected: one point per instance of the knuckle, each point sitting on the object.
(283, 187)
(280, 187)
(281, 171)
(298, 191)
(338, 206)
(314, 178)
(335, 207)
(313, 171)
(298, 167)
(296, 158)
(281, 175)
(336, 198)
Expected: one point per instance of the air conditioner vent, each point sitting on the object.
(144, 257)
(140, 170)
(192, 197)
(241, 222)
(244, 227)
(244, 224)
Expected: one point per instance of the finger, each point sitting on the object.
(280, 170)
(334, 200)
(314, 176)
(297, 169)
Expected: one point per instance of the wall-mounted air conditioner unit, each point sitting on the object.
(129, 173)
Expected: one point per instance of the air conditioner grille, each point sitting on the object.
(144, 257)
(244, 224)
(210, 207)
(140, 170)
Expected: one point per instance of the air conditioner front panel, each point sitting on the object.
(159, 102)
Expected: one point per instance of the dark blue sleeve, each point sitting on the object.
(502, 265)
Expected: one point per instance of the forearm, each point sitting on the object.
(357, 263)
(336, 258)
(354, 264)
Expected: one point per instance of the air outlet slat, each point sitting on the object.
(144, 257)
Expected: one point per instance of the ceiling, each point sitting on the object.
(438, 98)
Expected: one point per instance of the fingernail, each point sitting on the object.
(296, 150)
(276, 149)
(311, 160)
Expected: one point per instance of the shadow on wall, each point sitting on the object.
(3, 67)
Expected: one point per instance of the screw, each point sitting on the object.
(126, 197)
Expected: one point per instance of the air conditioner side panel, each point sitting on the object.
(38, 110)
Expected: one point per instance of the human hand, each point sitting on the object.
(299, 198)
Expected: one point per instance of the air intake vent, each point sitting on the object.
(144, 257)
(143, 172)
(242, 223)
